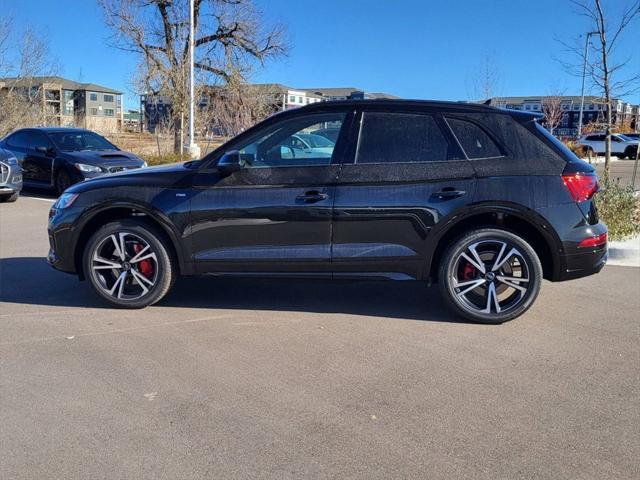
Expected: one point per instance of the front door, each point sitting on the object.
(408, 173)
(39, 158)
(273, 215)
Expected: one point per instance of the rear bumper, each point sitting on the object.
(576, 262)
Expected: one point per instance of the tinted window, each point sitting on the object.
(401, 138)
(17, 140)
(74, 141)
(37, 139)
(292, 142)
(474, 140)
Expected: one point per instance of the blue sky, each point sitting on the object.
(410, 48)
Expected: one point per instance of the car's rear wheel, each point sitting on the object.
(490, 275)
(630, 153)
(127, 264)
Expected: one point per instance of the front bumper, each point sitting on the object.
(10, 179)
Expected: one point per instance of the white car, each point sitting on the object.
(304, 145)
(621, 145)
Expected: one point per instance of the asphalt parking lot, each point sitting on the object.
(284, 379)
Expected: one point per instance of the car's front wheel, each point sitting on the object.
(127, 264)
(490, 275)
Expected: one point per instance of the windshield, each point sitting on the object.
(79, 141)
(316, 141)
(626, 138)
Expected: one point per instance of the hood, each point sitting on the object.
(104, 158)
(163, 176)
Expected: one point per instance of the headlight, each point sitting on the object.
(65, 200)
(12, 161)
(83, 167)
(144, 164)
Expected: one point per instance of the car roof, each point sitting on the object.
(401, 104)
(57, 129)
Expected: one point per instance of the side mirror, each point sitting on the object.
(229, 163)
(48, 151)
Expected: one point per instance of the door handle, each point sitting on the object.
(312, 196)
(448, 193)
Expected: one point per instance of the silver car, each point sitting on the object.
(10, 177)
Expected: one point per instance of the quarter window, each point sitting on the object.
(18, 140)
(475, 142)
(401, 138)
(292, 143)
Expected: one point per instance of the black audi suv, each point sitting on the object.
(482, 201)
(58, 157)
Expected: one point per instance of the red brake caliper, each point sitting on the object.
(468, 272)
(146, 267)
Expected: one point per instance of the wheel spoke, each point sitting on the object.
(476, 261)
(141, 280)
(510, 281)
(104, 263)
(138, 258)
(501, 261)
(118, 244)
(119, 284)
(492, 299)
(471, 285)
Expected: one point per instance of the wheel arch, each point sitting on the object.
(94, 219)
(515, 218)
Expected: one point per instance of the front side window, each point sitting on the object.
(402, 138)
(475, 142)
(292, 143)
(78, 141)
(38, 139)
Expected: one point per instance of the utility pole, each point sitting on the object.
(584, 74)
(194, 150)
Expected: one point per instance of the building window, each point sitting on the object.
(292, 99)
(108, 98)
(108, 112)
(299, 99)
(93, 97)
(94, 111)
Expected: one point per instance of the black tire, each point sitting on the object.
(9, 198)
(630, 153)
(524, 263)
(102, 278)
(62, 181)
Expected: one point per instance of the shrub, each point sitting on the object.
(163, 159)
(619, 208)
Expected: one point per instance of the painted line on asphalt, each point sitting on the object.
(50, 200)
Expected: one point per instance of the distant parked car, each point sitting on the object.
(308, 145)
(331, 133)
(59, 157)
(10, 177)
(621, 145)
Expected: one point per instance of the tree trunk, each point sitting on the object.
(607, 146)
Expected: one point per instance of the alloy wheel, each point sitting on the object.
(490, 277)
(124, 266)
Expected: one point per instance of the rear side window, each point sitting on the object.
(18, 140)
(475, 142)
(402, 138)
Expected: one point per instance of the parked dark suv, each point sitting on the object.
(483, 201)
(58, 157)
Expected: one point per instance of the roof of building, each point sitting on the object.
(541, 98)
(64, 83)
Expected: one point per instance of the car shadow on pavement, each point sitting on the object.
(29, 280)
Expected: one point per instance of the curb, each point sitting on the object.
(626, 253)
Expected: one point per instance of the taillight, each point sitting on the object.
(581, 186)
(593, 241)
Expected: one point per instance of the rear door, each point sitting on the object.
(408, 173)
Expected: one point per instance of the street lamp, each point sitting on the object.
(194, 150)
(584, 73)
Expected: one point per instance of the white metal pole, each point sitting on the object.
(191, 92)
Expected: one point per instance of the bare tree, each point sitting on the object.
(234, 107)
(552, 109)
(485, 79)
(20, 94)
(230, 39)
(603, 65)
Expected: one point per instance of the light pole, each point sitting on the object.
(194, 150)
(584, 74)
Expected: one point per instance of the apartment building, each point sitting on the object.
(625, 115)
(157, 108)
(68, 103)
